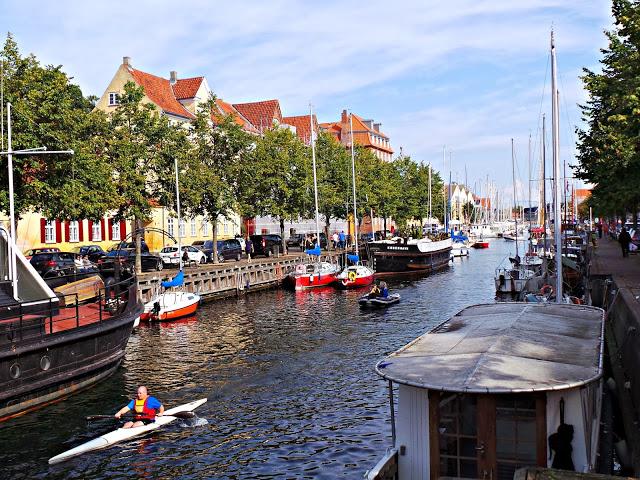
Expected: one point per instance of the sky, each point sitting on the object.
(465, 76)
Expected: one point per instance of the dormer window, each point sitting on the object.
(114, 98)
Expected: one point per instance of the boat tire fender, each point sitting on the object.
(546, 289)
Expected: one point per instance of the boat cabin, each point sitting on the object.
(496, 388)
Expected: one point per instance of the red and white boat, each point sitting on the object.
(311, 275)
(170, 306)
(354, 276)
(480, 244)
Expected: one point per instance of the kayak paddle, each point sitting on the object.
(183, 415)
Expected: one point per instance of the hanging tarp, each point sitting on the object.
(175, 281)
(313, 251)
(353, 258)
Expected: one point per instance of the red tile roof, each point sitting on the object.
(303, 126)
(159, 91)
(225, 108)
(187, 87)
(260, 114)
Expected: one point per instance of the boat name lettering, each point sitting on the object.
(398, 248)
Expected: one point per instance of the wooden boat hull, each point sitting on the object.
(407, 258)
(359, 282)
(123, 434)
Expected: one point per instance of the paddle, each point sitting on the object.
(183, 415)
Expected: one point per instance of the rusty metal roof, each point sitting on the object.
(504, 348)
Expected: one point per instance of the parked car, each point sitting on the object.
(93, 252)
(170, 255)
(266, 244)
(323, 240)
(229, 249)
(54, 264)
(30, 253)
(295, 240)
(240, 239)
(127, 259)
(199, 244)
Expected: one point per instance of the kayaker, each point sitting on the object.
(144, 407)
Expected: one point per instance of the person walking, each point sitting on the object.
(625, 239)
(335, 239)
(145, 409)
(599, 227)
(248, 248)
(342, 239)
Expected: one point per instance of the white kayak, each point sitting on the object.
(123, 434)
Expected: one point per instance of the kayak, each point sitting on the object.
(365, 301)
(122, 434)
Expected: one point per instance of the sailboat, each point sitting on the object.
(355, 275)
(172, 304)
(313, 273)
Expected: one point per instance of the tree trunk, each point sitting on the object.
(214, 238)
(327, 224)
(138, 241)
(283, 247)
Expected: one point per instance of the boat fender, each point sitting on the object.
(311, 278)
(546, 289)
(575, 300)
(352, 276)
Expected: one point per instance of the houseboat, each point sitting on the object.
(496, 388)
(409, 256)
(54, 345)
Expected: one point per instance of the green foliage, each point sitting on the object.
(333, 165)
(609, 150)
(49, 111)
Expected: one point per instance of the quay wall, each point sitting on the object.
(227, 279)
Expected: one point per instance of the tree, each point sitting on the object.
(49, 111)
(274, 179)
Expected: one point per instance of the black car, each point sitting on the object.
(295, 240)
(93, 252)
(266, 244)
(127, 259)
(144, 248)
(229, 249)
(54, 264)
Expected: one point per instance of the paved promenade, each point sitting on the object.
(607, 260)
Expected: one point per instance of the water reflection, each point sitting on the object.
(289, 377)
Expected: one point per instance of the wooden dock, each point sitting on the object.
(227, 279)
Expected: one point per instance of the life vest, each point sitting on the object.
(142, 411)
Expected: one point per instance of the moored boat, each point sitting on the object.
(311, 275)
(354, 276)
(379, 301)
(423, 255)
(480, 244)
(171, 306)
(123, 434)
(496, 388)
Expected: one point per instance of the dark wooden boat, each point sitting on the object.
(391, 257)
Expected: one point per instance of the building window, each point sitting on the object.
(115, 231)
(114, 98)
(194, 230)
(96, 232)
(74, 235)
(205, 228)
(183, 228)
(170, 227)
(226, 227)
(50, 232)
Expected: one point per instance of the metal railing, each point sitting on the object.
(34, 319)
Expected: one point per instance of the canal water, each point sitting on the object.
(289, 377)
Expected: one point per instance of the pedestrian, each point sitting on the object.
(185, 258)
(335, 239)
(248, 248)
(342, 239)
(599, 229)
(625, 239)
(144, 407)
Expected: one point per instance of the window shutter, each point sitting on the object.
(110, 229)
(102, 235)
(66, 229)
(43, 226)
(90, 230)
(80, 232)
(123, 229)
(58, 238)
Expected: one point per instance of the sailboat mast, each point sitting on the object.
(353, 172)
(175, 164)
(315, 180)
(429, 196)
(515, 203)
(555, 129)
(530, 220)
(544, 192)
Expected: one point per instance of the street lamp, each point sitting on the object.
(12, 222)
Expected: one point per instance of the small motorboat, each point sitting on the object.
(171, 305)
(311, 275)
(480, 244)
(354, 276)
(377, 301)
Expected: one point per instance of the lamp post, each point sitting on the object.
(12, 220)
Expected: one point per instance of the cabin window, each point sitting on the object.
(194, 230)
(74, 235)
(170, 227)
(50, 232)
(458, 436)
(182, 228)
(114, 98)
(515, 434)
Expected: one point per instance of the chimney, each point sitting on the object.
(376, 127)
(126, 61)
(173, 77)
(345, 117)
(368, 124)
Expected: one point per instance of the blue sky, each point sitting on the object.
(468, 74)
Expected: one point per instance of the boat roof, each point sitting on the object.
(504, 348)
